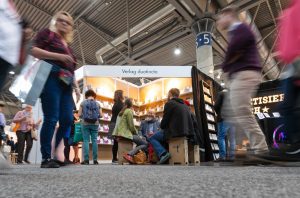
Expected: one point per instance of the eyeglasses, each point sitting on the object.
(64, 21)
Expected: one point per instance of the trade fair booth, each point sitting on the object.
(152, 95)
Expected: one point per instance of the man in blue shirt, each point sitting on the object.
(150, 125)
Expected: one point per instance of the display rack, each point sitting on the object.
(210, 117)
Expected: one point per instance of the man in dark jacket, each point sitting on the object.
(243, 68)
(176, 122)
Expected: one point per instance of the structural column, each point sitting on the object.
(203, 31)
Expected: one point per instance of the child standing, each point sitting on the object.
(90, 112)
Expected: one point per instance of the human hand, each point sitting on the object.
(65, 58)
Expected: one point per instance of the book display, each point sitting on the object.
(150, 96)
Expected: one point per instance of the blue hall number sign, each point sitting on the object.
(203, 39)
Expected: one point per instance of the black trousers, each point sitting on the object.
(4, 69)
(22, 138)
(115, 150)
(67, 148)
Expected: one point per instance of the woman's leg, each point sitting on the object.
(67, 149)
(50, 99)
(65, 114)
(140, 145)
(115, 150)
(29, 142)
(21, 145)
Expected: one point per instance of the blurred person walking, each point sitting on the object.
(289, 52)
(243, 68)
(52, 46)
(117, 107)
(10, 39)
(26, 123)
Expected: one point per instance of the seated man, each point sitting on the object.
(176, 122)
(150, 125)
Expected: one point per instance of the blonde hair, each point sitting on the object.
(68, 37)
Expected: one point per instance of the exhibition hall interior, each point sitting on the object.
(149, 98)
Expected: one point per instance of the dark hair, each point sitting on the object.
(89, 93)
(127, 105)
(233, 10)
(25, 23)
(174, 92)
(75, 111)
(1, 105)
(118, 97)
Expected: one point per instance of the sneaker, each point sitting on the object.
(4, 164)
(27, 162)
(164, 158)
(49, 163)
(128, 158)
(114, 162)
(68, 162)
(85, 162)
(96, 162)
(220, 160)
(20, 162)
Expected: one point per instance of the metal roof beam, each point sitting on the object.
(182, 11)
(272, 14)
(142, 54)
(244, 5)
(194, 8)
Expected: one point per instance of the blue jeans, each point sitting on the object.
(156, 141)
(87, 132)
(223, 129)
(57, 106)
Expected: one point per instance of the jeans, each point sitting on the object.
(57, 105)
(290, 110)
(156, 141)
(140, 145)
(223, 129)
(4, 69)
(22, 138)
(87, 132)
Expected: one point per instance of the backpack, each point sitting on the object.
(140, 158)
(90, 111)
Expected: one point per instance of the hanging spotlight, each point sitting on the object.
(12, 73)
(222, 84)
(177, 51)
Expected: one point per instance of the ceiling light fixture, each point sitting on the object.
(222, 84)
(12, 72)
(177, 51)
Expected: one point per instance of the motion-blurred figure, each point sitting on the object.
(289, 52)
(10, 39)
(243, 68)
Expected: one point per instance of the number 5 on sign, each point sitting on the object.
(203, 39)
